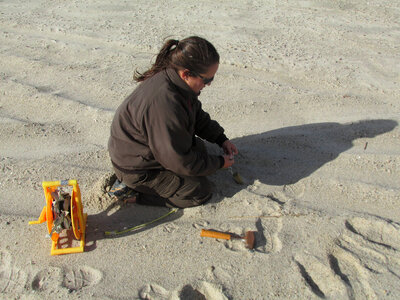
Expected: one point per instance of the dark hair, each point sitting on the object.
(193, 53)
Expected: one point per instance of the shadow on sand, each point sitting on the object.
(286, 155)
(118, 217)
(281, 157)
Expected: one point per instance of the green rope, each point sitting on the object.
(111, 233)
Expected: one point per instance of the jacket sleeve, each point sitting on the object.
(208, 129)
(170, 141)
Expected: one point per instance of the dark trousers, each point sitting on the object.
(165, 188)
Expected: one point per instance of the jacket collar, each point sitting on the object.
(177, 80)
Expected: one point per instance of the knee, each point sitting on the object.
(189, 201)
(193, 195)
(204, 192)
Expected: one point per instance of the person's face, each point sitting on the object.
(198, 81)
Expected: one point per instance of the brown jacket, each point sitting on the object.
(155, 129)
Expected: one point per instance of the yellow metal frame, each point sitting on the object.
(78, 218)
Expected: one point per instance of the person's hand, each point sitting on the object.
(228, 161)
(229, 148)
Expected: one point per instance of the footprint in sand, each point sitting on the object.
(52, 278)
(219, 274)
(47, 280)
(294, 191)
(78, 278)
(12, 279)
(320, 278)
(202, 290)
(209, 290)
(364, 263)
(281, 197)
(367, 257)
(270, 241)
(379, 232)
(155, 292)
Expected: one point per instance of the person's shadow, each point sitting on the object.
(286, 155)
(278, 157)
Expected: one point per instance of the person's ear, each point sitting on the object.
(184, 74)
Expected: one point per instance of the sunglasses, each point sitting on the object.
(205, 80)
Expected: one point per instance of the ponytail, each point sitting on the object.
(162, 61)
(193, 53)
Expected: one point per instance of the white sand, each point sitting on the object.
(308, 91)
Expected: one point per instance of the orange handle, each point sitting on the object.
(215, 234)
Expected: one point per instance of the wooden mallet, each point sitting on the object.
(249, 237)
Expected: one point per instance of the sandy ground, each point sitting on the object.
(309, 92)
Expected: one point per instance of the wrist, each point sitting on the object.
(222, 161)
(221, 139)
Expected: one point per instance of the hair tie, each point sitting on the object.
(174, 45)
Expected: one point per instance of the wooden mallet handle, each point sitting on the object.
(215, 234)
